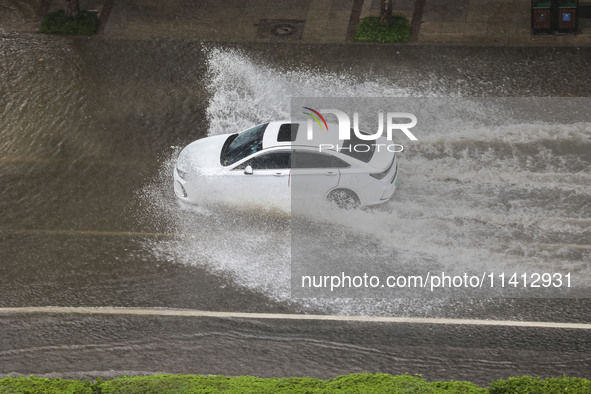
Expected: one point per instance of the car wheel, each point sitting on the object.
(344, 199)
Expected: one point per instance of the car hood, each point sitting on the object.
(202, 155)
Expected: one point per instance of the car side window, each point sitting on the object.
(288, 132)
(304, 159)
(268, 161)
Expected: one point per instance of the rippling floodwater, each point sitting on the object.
(91, 128)
(500, 197)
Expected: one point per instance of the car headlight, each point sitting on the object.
(182, 173)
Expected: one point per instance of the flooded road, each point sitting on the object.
(90, 129)
(92, 345)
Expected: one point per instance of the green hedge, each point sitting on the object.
(44, 386)
(363, 383)
(56, 22)
(535, 385)
(354, 383)
(370, 29)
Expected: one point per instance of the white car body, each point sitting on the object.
(275, 165)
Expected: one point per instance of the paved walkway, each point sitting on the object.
(455, 22)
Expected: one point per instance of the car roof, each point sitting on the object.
(322, 135)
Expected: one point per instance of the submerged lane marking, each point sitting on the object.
(286, 316)
(187, 235)
(81, 160)
(93, 233)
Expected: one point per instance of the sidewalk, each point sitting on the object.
(490, 22)
(454, 22)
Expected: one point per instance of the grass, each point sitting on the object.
(354, 383)
(56, 22)
(371, 30)
(536, 385)
(360, 383)
(44, 386)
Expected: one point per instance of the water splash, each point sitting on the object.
(245, 92)
(475, 198)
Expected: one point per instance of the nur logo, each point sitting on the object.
(318, 115)
(345, 124)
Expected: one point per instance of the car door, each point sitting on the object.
(263, 179)
(313, 175)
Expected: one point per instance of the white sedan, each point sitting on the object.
(274, 164)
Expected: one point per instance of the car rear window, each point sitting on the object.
(358, 148)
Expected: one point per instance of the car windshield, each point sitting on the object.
(239, 146)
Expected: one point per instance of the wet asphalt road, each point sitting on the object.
(75, 346)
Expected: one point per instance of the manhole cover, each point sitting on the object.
(281, 28)
(284, 30)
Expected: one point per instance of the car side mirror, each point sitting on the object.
(248, 170)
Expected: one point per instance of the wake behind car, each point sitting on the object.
(276, 164)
